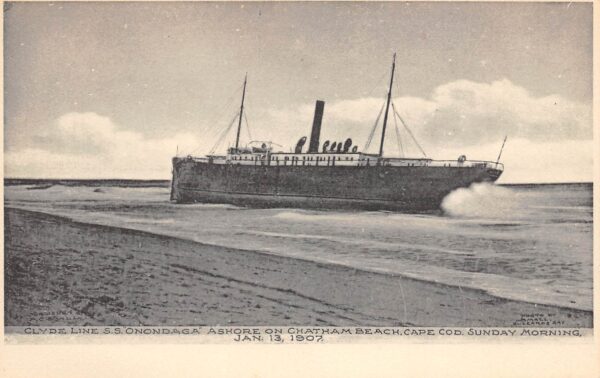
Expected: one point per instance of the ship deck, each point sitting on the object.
(338, 159)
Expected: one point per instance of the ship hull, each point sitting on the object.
(408, 189)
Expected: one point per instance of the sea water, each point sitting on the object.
(528, 242)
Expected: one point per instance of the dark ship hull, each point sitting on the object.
(326, 176)
(397, 188)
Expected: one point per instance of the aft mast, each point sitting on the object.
(387, 107)
(237, 138)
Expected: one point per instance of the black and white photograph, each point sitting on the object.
(298, 172)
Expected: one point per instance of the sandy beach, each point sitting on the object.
(60, 272)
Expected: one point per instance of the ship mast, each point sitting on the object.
(387, 107)
(237, 138)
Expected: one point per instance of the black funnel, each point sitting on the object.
(315, 134)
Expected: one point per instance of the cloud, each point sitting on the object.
(457, 114)
(550, 137)
(467, 112)
(88, 145)
(83, 134)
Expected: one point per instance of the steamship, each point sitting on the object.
(328, 176)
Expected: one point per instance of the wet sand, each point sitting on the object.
(60, 272)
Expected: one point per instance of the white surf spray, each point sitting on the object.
(482, 200)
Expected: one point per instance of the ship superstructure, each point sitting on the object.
(328, 175)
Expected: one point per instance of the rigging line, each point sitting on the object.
(410, 132)
(370, 138)
(501, 148)
(395, 115)
(221, 112)
(398, 135)
(397, 86)
(247, 125)
(378, 82)
(213, 125)
(399, 140)
(224, 133)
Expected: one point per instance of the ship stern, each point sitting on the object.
(175, 179)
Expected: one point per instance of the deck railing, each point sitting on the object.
(387, 161)
(467, 163)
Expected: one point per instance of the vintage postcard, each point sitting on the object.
(299, 173)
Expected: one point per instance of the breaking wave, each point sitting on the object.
(481, 200)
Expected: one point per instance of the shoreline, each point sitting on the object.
(166, 183)
(238, 287)
(322, 264)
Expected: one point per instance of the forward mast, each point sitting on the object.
(387, 107)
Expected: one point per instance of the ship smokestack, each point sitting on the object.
(315, 134)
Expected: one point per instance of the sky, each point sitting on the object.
(114, 90)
